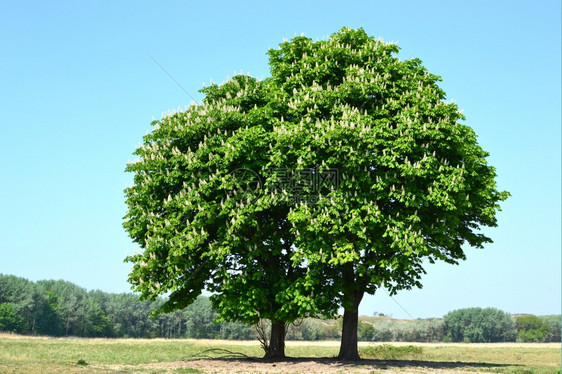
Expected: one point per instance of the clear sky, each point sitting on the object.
(78, 90)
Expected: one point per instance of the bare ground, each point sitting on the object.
(315, 366)
(330, 365)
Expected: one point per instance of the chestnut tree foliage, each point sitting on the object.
(203, 220)
(414, 185)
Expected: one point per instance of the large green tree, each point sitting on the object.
(298, 194)
(201, 212)
(414, 183)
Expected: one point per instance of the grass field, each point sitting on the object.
(19, 354)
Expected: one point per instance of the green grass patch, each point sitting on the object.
(73, 355)
(390, 352)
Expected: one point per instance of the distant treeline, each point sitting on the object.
(60, 308)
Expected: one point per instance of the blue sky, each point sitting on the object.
(78, 90)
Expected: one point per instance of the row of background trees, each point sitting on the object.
(60, 308)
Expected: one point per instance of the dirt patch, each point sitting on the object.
(314, 366)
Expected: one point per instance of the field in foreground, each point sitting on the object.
(20, 354)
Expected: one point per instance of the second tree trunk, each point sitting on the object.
(276, 348)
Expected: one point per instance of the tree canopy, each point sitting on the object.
(294, 195)
(531, 328)
(415, 184)
(478, 325)
(200, 226)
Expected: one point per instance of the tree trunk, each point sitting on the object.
(352, 298)
(276, 349)
(348, 347)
